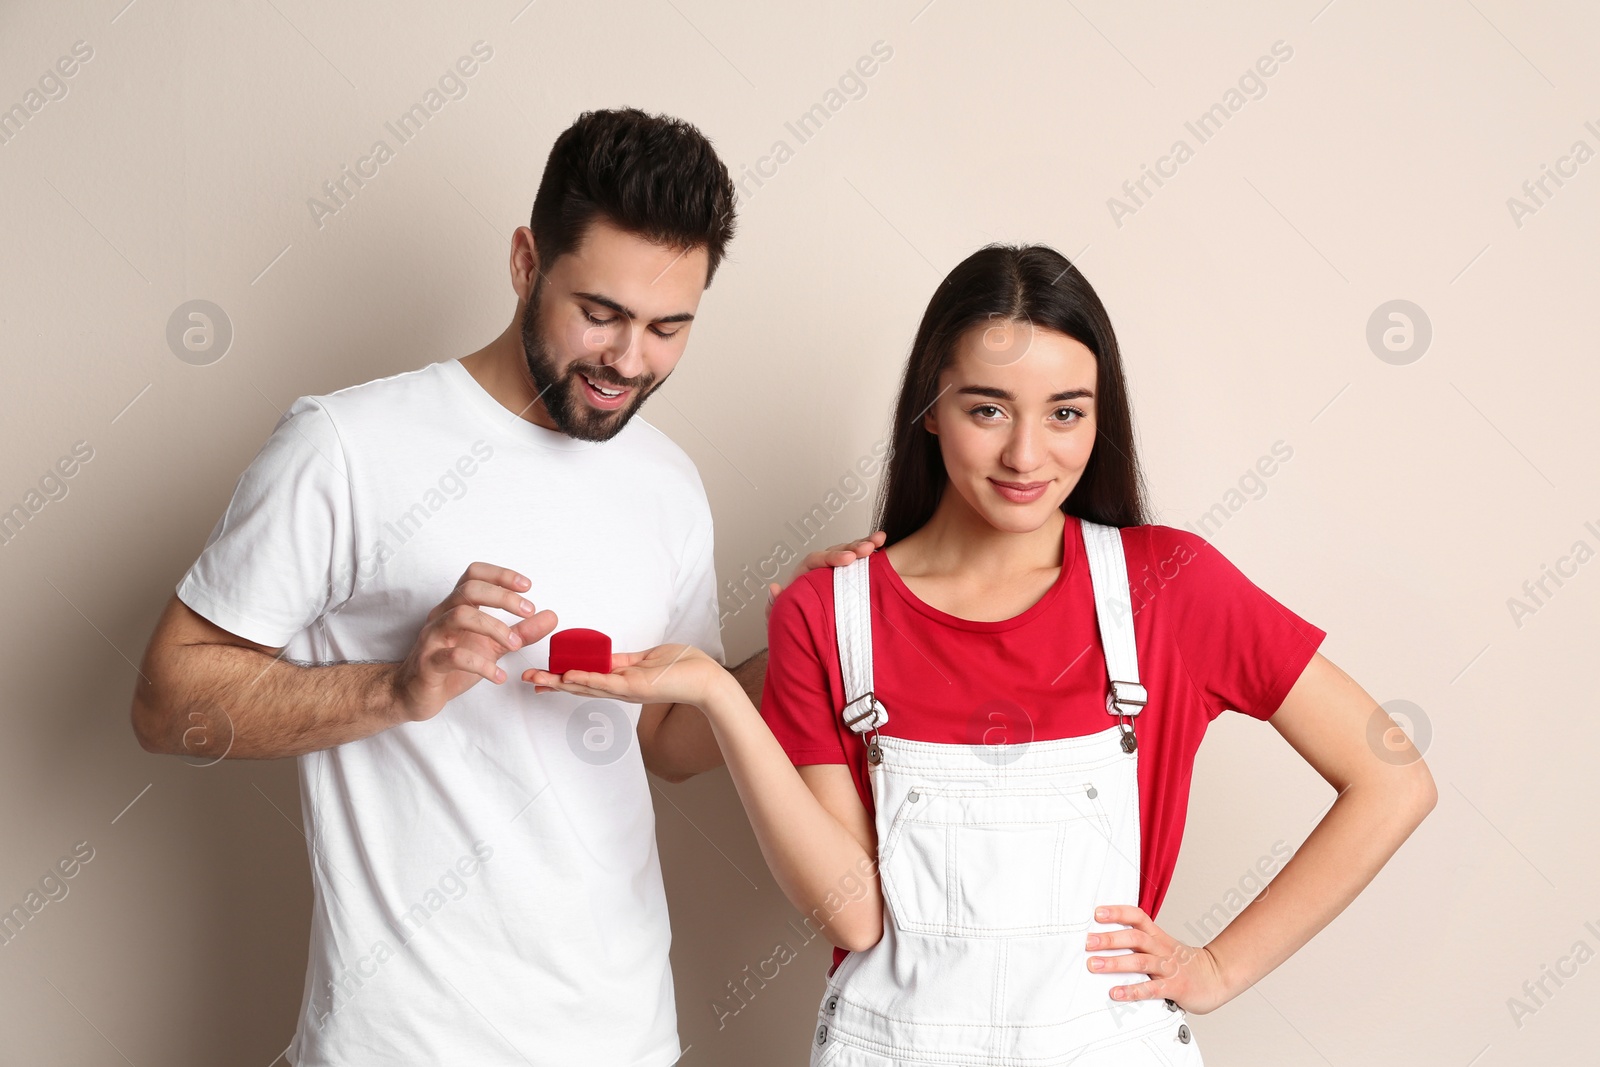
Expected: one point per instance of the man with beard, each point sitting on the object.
(486, 883)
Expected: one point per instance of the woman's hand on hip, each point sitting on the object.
(666, 674)
(1186, 975)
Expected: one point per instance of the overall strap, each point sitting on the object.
(852, 618)
(1114, 608)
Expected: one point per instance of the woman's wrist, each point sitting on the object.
(1231, 981)
(724, 699)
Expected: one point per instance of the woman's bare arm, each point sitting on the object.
(813, 830)
(1384, 792)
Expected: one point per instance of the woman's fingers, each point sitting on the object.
(1153, 964)
(1153, 952)
(1126, 914)
(604, 683)
(582, 683)
(1113, 939)
(545, 682)
(1140, 991)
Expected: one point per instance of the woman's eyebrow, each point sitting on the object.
(1003, 394)
(627, 312)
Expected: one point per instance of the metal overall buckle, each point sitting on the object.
(1129, 740)
(1124, 719)
(874, 753)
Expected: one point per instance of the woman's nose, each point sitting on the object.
(1022, 452)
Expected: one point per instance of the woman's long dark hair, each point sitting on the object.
(1031, 284)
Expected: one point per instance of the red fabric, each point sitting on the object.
(1209, 639)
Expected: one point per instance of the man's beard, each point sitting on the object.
(561, 390)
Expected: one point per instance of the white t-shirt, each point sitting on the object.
(486, 884)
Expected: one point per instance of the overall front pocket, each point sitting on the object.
(998, 862)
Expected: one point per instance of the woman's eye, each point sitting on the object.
(985, 411)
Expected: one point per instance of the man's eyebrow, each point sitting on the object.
(606, 301)
(1002, 394)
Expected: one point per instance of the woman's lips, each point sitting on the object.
(1020, 492)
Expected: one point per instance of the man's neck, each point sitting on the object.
(501, 368)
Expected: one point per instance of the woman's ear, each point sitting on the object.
(930, 423)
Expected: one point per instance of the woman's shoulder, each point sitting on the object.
(1162, 542)
(1157, 556)
(1154, 544)
(806, 601)
(1189, 572)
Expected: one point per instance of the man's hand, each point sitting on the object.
(837, 556)
(460, 643)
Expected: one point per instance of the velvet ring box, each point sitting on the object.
(580, 650)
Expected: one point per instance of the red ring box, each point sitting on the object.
(580, 650)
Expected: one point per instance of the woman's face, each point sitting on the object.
(1015, 419)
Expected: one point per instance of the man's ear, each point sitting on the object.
(525, 266)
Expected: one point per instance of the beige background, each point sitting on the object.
(1419, 498)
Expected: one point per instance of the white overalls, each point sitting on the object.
(992, 861)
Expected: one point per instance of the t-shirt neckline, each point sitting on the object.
(505, 420)
(1071, 550)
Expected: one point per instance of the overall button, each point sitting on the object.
(822, 1034)
(913, 796)
(832, 1004)
(1183, 1033)
(1091, 792)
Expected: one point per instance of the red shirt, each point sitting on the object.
(1208, 639)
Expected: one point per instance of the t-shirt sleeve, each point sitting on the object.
(283, 553)
(1242, 648)
(695, 618)
(796, 700)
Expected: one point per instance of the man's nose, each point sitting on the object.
(625, 355)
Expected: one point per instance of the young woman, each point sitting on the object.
(995, 718)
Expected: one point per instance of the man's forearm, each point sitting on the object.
(752, 676)
(253, 706)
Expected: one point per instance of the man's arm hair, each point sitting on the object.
(752, 676)
(207, 693)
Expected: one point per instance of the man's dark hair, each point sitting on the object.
(652, 175)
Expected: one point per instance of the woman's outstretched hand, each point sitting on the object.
(1187, 976)
(666, 674)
